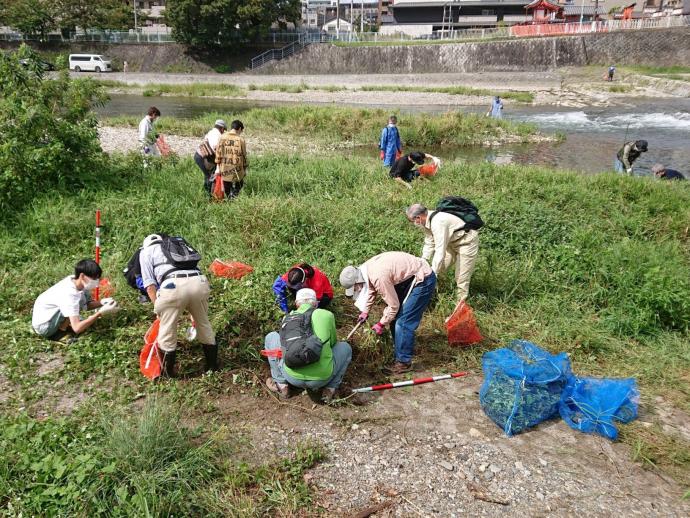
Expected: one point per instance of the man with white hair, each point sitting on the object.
(205, 155)
(312, 358)
(175, 284)
(448, 239)
(406, 284)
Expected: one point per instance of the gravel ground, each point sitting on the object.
(431, 451)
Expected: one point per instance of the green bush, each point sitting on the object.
(48, 132)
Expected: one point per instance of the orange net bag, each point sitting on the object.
(149, 357)
(462, 327)
(163, 146)
(105, 289)
(233, 270)
(218, 191)
(428, 169)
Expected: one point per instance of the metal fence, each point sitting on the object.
(95, 36)
(555, 29)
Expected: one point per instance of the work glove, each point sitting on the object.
(147, 150)
(362, 317)
(378, 328)
(280, 291)
(382, 155)
(109, 309)
(629, 171)
(107, 300)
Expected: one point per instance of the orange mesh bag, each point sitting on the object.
(428, 170)
(462, 327)
(218, 191)
(105, 289)
(233, 270)
(149, 357)
(163, 146)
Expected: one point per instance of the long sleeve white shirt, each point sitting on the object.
(438, 233)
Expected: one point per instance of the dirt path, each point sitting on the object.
(431, 451)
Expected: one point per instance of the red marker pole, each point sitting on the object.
(418, 381)
(98, 246)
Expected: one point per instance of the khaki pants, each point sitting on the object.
(177, 295)
(463, 252)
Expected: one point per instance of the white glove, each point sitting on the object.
(107, 300)
(109, 308)
(436, 161)
(629, 171)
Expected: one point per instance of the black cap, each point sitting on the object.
(417, 157)
(641, 145)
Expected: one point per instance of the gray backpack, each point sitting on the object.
(297, 340)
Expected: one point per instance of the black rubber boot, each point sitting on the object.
(211, 355)
(168, 367)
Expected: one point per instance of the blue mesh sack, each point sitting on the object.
(591, 405)
(522, 385)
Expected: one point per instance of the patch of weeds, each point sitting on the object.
(523, 97)
(621, 89)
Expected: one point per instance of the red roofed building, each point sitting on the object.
(543, 11)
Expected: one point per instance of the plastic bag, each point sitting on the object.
(163, 146)
(462, 327)
(592, 405)
(233, 270)
(149, 357)
(522, 385)
(218, 190)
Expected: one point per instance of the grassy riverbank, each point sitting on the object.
(233, 91)
(594, 266)
(335, 126)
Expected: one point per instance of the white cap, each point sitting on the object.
(305, 295)
(151, 239)
(221, 123)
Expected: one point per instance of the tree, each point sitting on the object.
(48, 131)
(219, 23)
(31, 17)
(86, 14)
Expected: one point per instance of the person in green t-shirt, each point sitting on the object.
(326, 373)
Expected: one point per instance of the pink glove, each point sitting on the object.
(362, 317)
(378, 328)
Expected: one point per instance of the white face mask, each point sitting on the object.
(90, 283)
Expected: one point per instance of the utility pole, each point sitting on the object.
(352, 22)
(361, 18)
(134, 3)
(337, 18)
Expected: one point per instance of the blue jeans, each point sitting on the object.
(409, 316)
(342, 355)
(618, 166)
(207, 173)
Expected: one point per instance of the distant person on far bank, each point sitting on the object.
(404, 171)
(627, 155)
(663, 173)
(612, 70)
(496, 110)
(148, 134)
(390, 145)
(231, 159)
(125, 67)
(205, 155)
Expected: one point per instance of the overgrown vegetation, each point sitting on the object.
(144, 464)
(193, 90)
(48, 134)
(523, 97)
(621, 89)
(358, 126)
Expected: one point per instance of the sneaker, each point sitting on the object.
(327, 396)
(397, 368)
(282, 390)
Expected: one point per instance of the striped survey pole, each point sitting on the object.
(408, 383)
(98, 246)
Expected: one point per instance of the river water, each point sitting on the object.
(593, 134)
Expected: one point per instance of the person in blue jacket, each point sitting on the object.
(390, 144)
(496, 110)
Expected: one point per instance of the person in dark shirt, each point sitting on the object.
(663, 173)
(403, 170)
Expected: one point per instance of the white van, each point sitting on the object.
(89, 62)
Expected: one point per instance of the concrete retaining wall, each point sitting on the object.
(658, 47)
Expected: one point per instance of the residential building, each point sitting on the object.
(315, 13)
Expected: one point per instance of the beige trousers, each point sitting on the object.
(183, 293)
(462, 251)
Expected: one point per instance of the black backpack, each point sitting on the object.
(297, 340)
(178, 253)
(133, 269)
(463, 209)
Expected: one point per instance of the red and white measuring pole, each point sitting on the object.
(418, 381)
(98, 246)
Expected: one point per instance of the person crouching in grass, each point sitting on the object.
(57, 310)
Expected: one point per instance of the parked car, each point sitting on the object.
(44, 64)
(89, 63)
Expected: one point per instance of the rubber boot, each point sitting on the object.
(211, 355)
(168, 367)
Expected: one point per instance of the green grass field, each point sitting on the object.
(594, 266)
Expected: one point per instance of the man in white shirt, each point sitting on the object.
(57, 309)
(448, 241)
(205, 156)
(147, 132)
